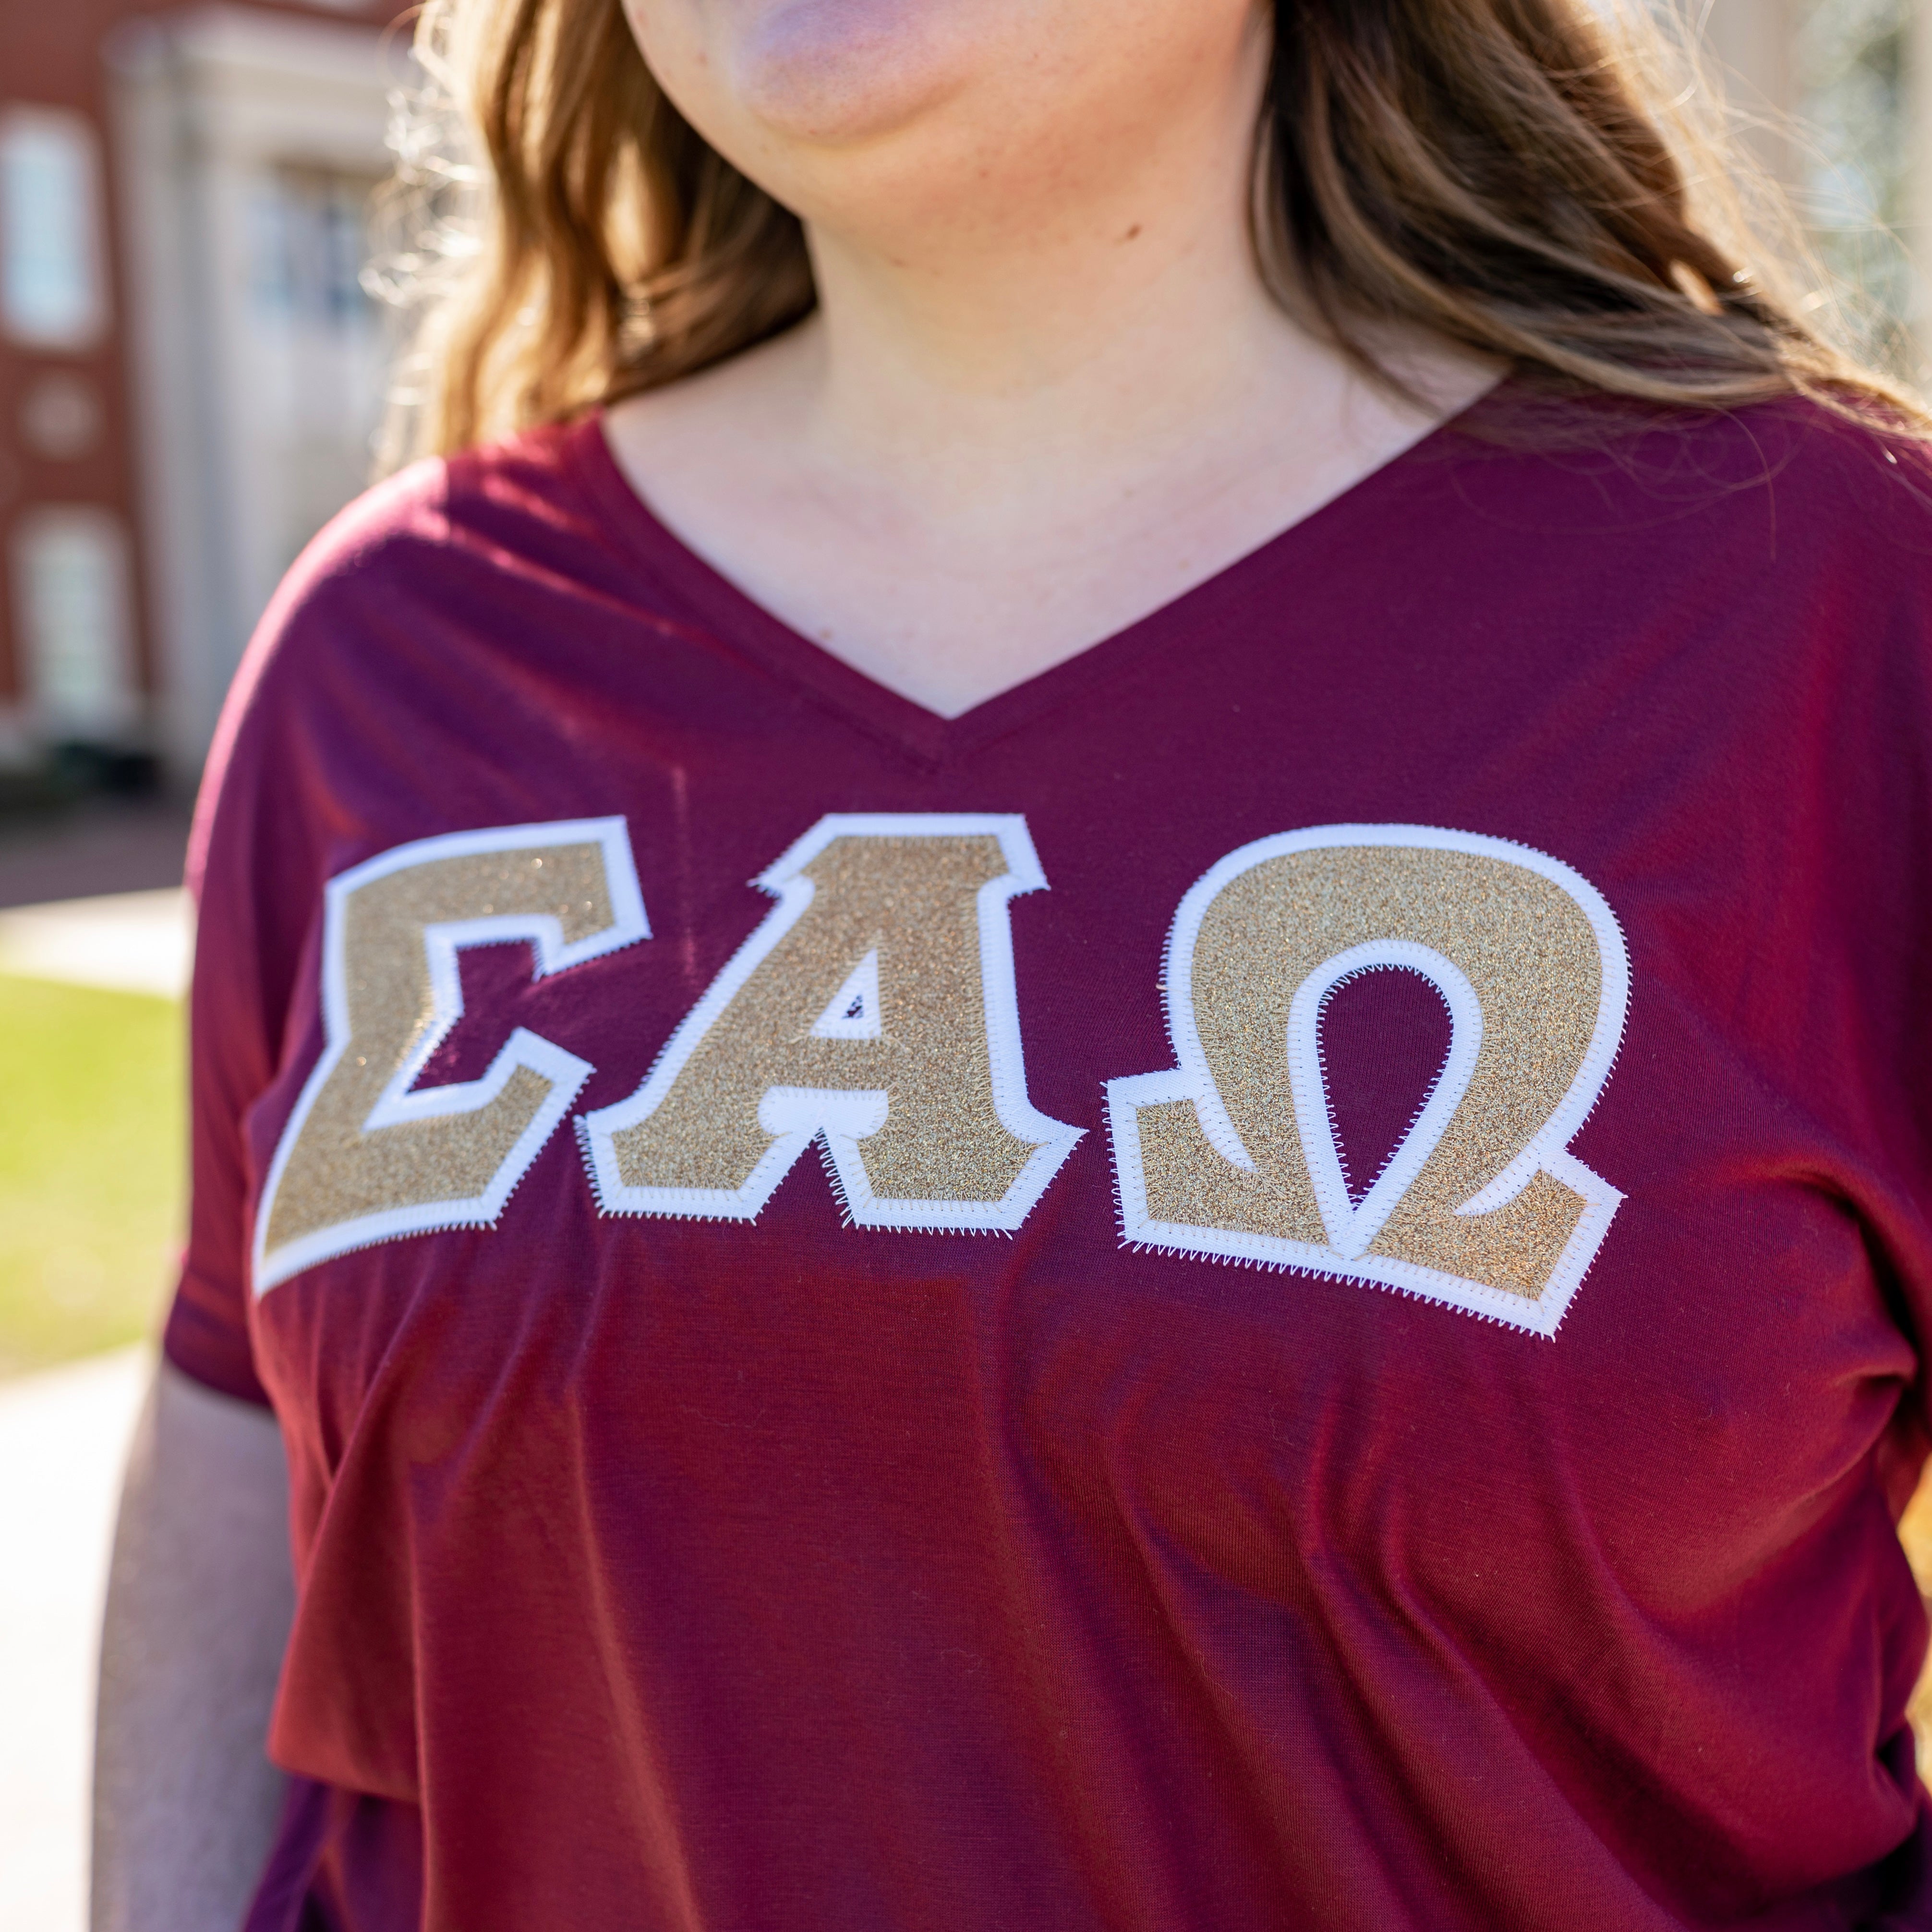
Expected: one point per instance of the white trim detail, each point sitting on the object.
(861, 989)
(839, 1119)
(1350, 1226)
(401, 1100)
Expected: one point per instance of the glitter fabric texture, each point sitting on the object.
(366, 1156)
(920, 1102)
(913, 901)
(1488, 1210)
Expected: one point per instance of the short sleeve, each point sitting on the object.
(238, 1007)
(256, 863)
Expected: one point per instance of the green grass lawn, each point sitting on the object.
(92, 1165)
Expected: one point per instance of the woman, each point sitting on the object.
(1270, 1273)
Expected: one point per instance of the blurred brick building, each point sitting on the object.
(189, 372)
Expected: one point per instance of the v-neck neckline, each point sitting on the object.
(931, 739)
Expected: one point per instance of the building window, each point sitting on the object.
(308, 240)
(73, 617)
(52, 290)
(317, 356)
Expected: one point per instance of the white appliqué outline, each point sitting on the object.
(1350, 1226)
(400, 1100)
(840, 1118)
(861, 989)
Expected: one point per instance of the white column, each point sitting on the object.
(1751, 47)
(1915, 221)
(211, 101)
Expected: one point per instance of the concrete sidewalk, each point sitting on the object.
(63, 1438)
(125, 942)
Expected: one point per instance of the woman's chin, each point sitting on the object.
(830, 72)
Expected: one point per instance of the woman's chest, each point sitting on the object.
(1278, 1186)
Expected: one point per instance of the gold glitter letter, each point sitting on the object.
(1233, 1155)
(368, 1156)
(875, 1004)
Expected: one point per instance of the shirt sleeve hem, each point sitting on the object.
(190, 1343)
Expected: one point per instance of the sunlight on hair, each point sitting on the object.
(1556, 185)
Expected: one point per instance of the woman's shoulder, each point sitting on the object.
(491, 507)
(1822, 519)
(1819, 473)
(1737, 508)
(1839, 473)
(442, 546)
(435, 588)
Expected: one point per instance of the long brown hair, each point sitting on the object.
(1502, 173)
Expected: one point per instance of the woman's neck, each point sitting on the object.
(1023, 416)
(999, 391)
(1016, 327)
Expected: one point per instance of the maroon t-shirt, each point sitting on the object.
(1275, 1281)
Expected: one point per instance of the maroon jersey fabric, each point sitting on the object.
(1275, 1281)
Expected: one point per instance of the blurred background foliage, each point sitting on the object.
(1854, 144)
(91, 1157)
